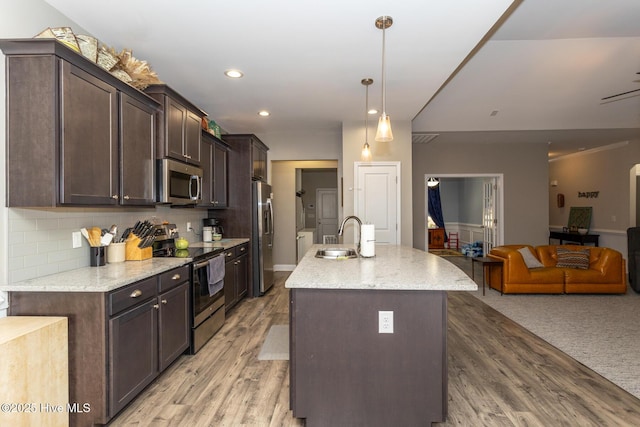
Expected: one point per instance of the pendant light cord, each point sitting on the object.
(384, 101)
(366, 115)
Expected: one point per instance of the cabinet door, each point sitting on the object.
(173, 323)
(230, 289)
(133, 353)
(207, 174)
(175, 119)
(192, 137)
(137, 152)
(242, 276)
(89, 139)
(220, 182)
(259, 162)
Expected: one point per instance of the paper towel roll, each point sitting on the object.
(368, 240)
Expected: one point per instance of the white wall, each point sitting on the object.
(397, 150)
(524, 168)
(605, 170)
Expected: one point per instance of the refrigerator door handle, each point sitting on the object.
(270, 216)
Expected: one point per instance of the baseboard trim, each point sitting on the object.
(284, 267)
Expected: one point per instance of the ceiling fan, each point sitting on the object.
(623, 93)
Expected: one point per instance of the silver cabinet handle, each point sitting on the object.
(136, 293)
(156, 306)
(164, 301)
(115, 196)
(229, 254)
(126, 197)
(242, 249)
(175, 277)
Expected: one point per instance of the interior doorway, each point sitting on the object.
(326, 213)
(486, 225)
(377, 198)
(309, 208)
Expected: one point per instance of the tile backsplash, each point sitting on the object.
(40, 241)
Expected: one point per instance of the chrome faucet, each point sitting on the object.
(341, 229)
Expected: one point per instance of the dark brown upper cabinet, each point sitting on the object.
(138, 152)
(214, 166)
(179, 126)
(76, 135)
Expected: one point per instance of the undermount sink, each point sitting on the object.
(336, 253)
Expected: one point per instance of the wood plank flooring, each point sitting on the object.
(499, 375)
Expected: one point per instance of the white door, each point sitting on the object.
(377, 199)
(326, 213)
(489, 215)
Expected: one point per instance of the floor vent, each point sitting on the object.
(423, 138)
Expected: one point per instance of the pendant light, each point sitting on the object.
(384, 133)
(366, 150)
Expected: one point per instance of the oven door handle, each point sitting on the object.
(201, 264)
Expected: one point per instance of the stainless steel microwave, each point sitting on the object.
(178, 183)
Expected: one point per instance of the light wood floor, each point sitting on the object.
(499, 375)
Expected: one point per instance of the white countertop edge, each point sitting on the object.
(225, 243)
(109, 277)
(393, 268)
(97, 279)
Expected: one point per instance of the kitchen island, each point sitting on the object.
(368, 337)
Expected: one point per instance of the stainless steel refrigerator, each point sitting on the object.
(262, 238)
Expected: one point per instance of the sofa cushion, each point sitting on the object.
(529, 259)
(573, 259)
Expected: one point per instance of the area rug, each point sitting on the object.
(599, 331)
(445, 252)
(276, 345)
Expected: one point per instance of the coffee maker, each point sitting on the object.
(214, 223)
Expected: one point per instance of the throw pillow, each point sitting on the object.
(573, 259)
(529, 259)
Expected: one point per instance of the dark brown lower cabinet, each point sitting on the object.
(345, 373)
(119, 341)
(133, 354)
(236, 275)
(173, 325)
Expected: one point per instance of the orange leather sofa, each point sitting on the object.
(606, 273)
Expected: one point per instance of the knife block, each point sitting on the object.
(133, 253)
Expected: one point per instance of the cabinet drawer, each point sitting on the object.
(229, 254)
(173, 278)
(132, 295)
(242, 249)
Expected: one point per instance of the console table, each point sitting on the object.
(574, 237)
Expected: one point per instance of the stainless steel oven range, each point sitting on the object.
(207, 311)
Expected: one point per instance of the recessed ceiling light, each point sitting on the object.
(234, 74)
(264, 113)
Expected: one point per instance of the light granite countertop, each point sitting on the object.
(393, 268)
(224, 243)
(110, 276)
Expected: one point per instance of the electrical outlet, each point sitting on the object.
(385, 322)
(76, 239)
(189, 226)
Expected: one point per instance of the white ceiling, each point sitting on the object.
(544, 69)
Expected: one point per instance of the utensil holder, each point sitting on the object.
(97, 254)
(116, 252)
(133, 252)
